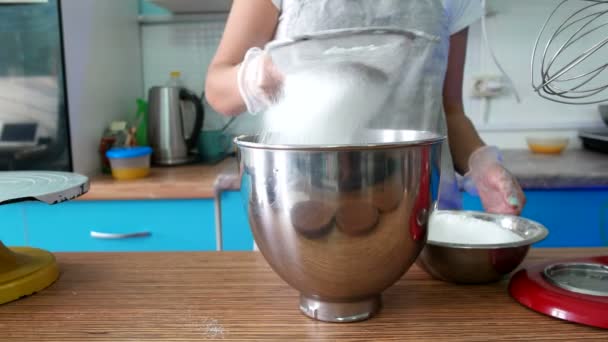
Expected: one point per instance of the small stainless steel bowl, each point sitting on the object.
(480, 263)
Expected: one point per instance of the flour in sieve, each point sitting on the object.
(326, 105)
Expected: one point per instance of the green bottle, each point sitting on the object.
(141, 122)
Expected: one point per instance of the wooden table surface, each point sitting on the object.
(176, 182)
(235, 296)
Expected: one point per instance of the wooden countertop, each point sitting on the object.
(177, 182)
(235, 296)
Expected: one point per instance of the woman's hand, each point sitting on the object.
(259, 80)
(499, 191)
(485, 175)
(251, 24)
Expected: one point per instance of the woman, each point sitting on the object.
(240, 77)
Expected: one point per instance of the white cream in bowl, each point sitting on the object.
(462, 229)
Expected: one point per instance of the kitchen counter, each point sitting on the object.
(572, 169)
(177, 182)
(236, 296)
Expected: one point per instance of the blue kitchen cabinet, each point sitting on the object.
(575, 218)
(170, 225)
(12, 231)
(235, 224)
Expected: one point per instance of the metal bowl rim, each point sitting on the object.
(543, 232)
(333, 33)
(435, 139)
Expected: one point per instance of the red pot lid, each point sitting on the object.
(573, 290)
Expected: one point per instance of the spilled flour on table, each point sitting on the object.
(213, 329)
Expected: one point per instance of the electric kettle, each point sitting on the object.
(166, 124)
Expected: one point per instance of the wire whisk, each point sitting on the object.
(570, 57)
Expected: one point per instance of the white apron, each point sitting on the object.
(429, 16)
(425, 90)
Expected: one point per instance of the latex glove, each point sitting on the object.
(499, 191)
(258, 80)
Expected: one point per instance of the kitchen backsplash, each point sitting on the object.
(187, 47)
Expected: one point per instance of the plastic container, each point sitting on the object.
(547, 145)
(175, 80)
(130, 162)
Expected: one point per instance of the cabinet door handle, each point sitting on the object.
(111, 236)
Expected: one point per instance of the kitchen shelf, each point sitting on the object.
(194, 6)
(180, 18)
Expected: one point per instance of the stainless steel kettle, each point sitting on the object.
(166, 125)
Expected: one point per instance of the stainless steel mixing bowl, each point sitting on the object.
(341, 223)
(476, 263)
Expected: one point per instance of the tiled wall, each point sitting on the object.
(186, 47)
